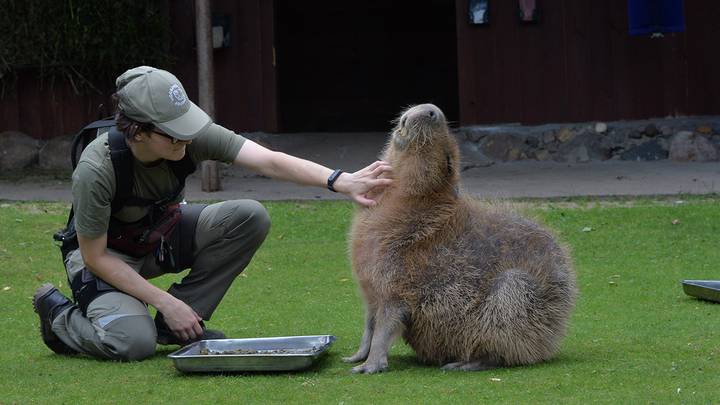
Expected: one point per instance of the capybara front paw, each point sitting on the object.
(370, 368)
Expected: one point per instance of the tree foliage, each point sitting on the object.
(87, 42)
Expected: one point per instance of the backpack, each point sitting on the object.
(122, 160)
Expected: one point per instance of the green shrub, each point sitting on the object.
(87, 42)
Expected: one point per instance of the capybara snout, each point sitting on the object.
(418, 123)
(427, 114)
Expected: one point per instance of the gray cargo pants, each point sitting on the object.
(119, 327)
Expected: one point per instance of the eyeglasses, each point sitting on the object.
(172, 140)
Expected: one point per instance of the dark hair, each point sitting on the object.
(128, 126)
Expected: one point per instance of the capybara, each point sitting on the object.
(470, 285)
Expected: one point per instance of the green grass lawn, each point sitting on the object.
(635, 337)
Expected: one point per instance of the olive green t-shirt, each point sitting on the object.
(93, 181)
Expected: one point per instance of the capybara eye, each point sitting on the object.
(432, 114)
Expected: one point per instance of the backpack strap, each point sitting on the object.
(122, 160)
(183, 168)
(85, 136)
(100, 124)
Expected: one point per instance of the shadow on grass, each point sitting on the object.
(331, 362)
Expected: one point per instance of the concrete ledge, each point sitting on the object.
(505, 180)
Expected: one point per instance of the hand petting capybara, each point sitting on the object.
(469, 285)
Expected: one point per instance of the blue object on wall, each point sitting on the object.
(655, 16)
(478, 11)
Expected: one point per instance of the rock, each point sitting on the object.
(600, 127)
(565, 135)
(515, 154)
(17, 151)
(548, 137)
(471, 156)
(499, 146)
(55, 153)
(578, 155)
(651, 150)
(613, 140)
(635, 134)
(532, 142)
(583, 148)
(542, 155)
(704, 129)
(716, 140)
(666, 131)
(473, 135)
(687, 146)
(651, 130)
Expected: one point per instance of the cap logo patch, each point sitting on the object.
(177, 96)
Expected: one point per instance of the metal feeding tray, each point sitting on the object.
(256, 354)
(703, 289)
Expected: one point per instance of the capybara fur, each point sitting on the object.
(470, 285)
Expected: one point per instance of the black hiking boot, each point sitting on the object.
(166, 337)
(48, 302)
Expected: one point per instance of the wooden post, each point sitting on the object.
(206, 86)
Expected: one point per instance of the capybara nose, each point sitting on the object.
(429, 112)
(422, 112)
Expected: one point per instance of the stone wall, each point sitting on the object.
(19, 151)
(681, 139)
(695, 139)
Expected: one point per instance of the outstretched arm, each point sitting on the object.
(282, 166)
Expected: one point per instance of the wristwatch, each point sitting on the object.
(331, 180)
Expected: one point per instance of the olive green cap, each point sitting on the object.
(147, 94)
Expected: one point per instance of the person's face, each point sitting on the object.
(165, 146)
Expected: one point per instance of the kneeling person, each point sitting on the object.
(126, 240)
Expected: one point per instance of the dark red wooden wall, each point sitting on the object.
(244, 77)
(244, 72)
(45, 109)
(578, 63)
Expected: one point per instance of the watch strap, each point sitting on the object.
(331, 180)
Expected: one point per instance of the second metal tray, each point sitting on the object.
(255, 354)
(703, 289)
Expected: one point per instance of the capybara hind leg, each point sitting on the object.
(477, 365)
(388, 326)
(364, 349)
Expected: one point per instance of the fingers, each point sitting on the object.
(364, 201)
(184, 322)
(196, 325)
(190, 332)
(372, 168)
(382, 170)
(367, 183)
(380, 183)
(373, 165)
(197, 329)
(371, 188)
